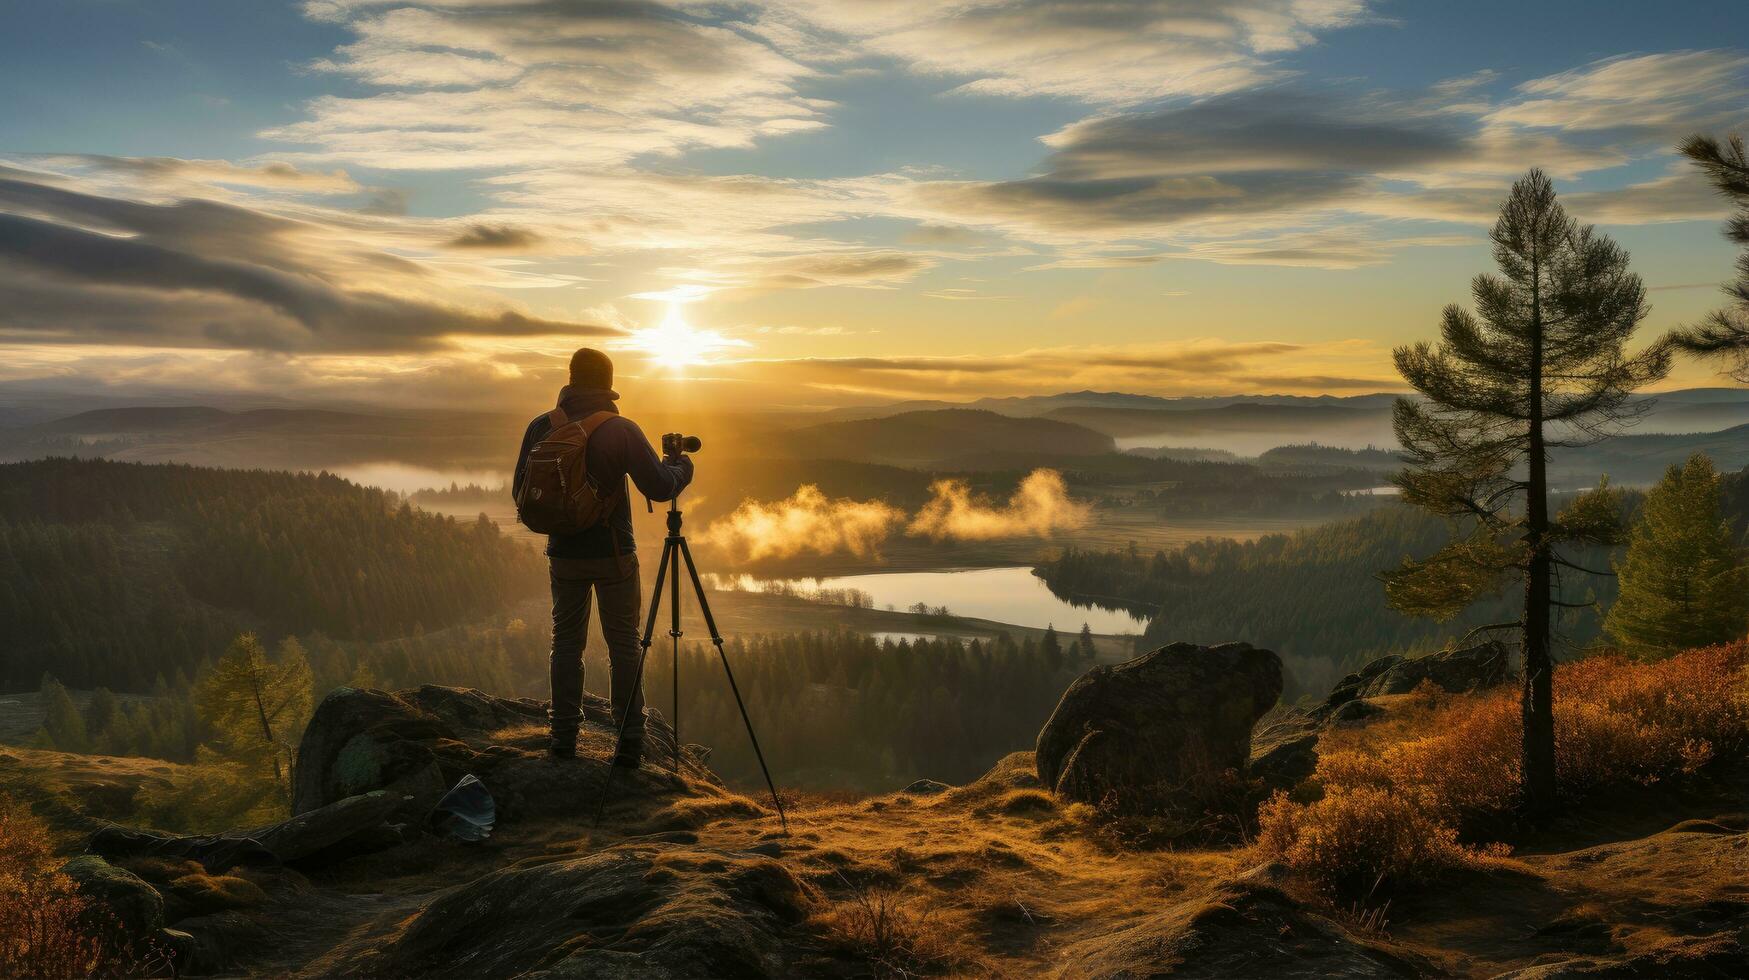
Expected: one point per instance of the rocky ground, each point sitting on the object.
(685, 877)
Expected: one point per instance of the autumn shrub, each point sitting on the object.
(1356, 836)
(1407, 797)
(45, 924)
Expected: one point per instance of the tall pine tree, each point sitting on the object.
(1726, 332)
(1683, 582)
(1540, 365)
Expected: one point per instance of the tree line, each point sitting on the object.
(122, 575)
(833, 709)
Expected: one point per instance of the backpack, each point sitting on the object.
(558, 496)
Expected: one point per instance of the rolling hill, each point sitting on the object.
(930, 436)
(117, 573)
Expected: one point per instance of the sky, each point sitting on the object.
(803, 203)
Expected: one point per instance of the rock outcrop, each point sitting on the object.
(1144, 734)
(1246, 928)
(135, 908)
(345, 828)
(416, 744)
(634, 910)
(1455, 671)
(1284, 750)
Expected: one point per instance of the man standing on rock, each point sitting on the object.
(601, 559)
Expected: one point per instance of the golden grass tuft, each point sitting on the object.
(897, 934)
(1402, 794)
(1027, 802)
(214, 893)
(692, 814)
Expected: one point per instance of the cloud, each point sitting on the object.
(806, 522)
(1201, 366)
(1039, 507)
(1267, 157)
(495, 237)
(1334, 248)
(76, 266)
(943, 235)
(544, 83)
(271, 174)
(1665, 95)
(1684, 195)
(1120, 51)
(850, 268)
(1287, 174)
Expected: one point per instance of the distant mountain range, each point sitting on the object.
(990, 432)
(929, 436)
(1030, 405)
(277, 438)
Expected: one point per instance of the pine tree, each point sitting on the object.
(62, 721)
(1683, 582)
(1052, 649)
(1726, 332)
(101, 714)
(257, 707)
(1541, 365)
(1087, 651)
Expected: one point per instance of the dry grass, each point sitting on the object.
(1401, 795)
(897, 932)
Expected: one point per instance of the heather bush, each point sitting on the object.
(1357, 836)
(1413, 794)
(45, 924)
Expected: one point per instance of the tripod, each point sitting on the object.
(675, 551)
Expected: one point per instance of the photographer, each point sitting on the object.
(602, 559)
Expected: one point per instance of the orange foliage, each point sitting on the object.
(43, 920)
(1444, 767)
(1356, 836)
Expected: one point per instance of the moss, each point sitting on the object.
(359, 765)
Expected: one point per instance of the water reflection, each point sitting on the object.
(1004, 595)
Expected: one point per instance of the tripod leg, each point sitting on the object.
(668, 554)
(674, 632)
(710, 623)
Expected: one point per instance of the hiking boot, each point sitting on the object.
(629, 755)
(562, 747)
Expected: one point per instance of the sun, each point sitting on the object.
(676, 345)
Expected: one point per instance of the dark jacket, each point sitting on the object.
(617, 449)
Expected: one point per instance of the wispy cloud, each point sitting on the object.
(77, 267)
(1118, 52)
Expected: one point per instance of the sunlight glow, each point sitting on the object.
(676, 345)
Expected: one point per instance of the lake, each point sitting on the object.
(1005, 595)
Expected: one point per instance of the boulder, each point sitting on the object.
(416, 744)
(136, 907)
(356, 825)
(1144, 733)
(1284, 750)
(635, 910)
(1456, 671)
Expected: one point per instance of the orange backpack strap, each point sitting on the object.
(593, 421)
(557, 419)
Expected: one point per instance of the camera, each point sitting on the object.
(673, 444)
